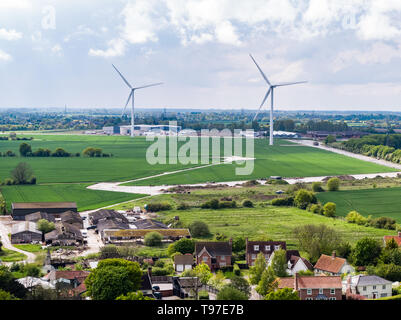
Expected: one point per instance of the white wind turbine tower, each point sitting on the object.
(131, 96)
(271, 90)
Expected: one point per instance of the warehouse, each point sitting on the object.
(20, 209)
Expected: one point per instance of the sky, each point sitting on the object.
(60, 52)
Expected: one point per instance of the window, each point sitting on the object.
(374, 287)
(309, 299)
(254, 256)
(256, 248)
(277, 247)
(205, 259)
(364, 288)
(267, 256)
(383, 295)
(223, 258)
(384, 287)
(308, 292)
(320, 291)
(267, 248)
(332, 291)
(332, 298)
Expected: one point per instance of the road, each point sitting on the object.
(5, 229)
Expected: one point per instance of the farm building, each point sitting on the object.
(128, 235)
(64, 234)
(20, 209)
(149, 224)
(35, 217)
(104, 214)
(73, 218)
(25, 232)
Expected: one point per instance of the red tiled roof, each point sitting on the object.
(396, 238)
(71, 274)
(311, 282)
(330, 263)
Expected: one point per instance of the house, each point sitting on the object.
(71, 278)
(20, 209)
(36, 216)
(296, 263)
(73, 218)
(333, 265)
(397, 239)
(25, 232)
(31, 282)
(215, 254)
(253, 248)
(369, 286)
(183, 262)
(314, 287)
(64, 234)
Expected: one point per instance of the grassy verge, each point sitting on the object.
(7, 255)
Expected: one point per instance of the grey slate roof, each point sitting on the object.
(371, 280)
(214, 248)
(25, 226)
(149, 224)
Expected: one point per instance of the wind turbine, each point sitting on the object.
(131, 96)
(271, 90)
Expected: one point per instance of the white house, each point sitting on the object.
(333, 265)
(371, 287)
(296, 264)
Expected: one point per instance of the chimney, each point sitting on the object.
(296, 281)
(333, 255)
(150, 271)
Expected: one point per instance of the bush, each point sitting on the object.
(383, 223)
(228, 292)
(183, 206)
(199, 229)
(317, 187)
(356, 217)
(33, 180)
(211, 204)
(153, 239)
(329, 209)
(182, 246)
(203, 295)
(316, 208)
(227, 204)
(155, 207)
(333, 184)
(247, 204)
(8, 181)
(286, 202)
(303, 198)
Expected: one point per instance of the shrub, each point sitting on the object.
(227, 204)
(8, 181)
(316, 208)
(237, 270)
(247, 204)
(199, 229)
(228, 292)
(183, 206)
(329, 209)
(383, 223)
(317, 187)
(333, 184)
(356, 217)
(33, 180)
(303, 198)
(153, 239)
(156, 206)
(203, 295)
(286, 202)
(211, 204)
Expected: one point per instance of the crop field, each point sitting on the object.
(86, 199)
(376, 202)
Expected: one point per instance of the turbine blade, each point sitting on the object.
(149, 85)
(260, 70)
(261, 105)
(129, 97)
(122, 77)
(289, 83)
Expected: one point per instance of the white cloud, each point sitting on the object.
(4, 56)
(226, 33)
(57, 50)
(116, 48)
(10, 34)
(15, 4)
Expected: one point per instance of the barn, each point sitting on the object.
(20, 209)
(25, 232)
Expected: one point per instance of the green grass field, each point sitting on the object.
(86, 199)
(11, 255)
(375, 202)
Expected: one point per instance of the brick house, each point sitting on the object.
(215, 254)
(253, 248)
(314, 287)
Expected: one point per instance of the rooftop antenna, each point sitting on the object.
(271, 88)
(131, 97)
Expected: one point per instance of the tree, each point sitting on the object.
(247, 204)
(267, 282)
(22, 173)
(153, 239)
(113, 278)
(279, 263)
(366, 252)
(333, 184)
(202, 271)
(45, 226)
(256, 271)
(241, 284)
(391, 244)
(182, 246)
(344, 250)
(134, 296)
(390, 272)
(356, 217)
(317, 186)
(25, 149)
(283, 294)
(316, 239)
(217, 280)
(228, 292)
(199, 229)
(329, 209)
(6, 296)
(9, 284)
(303, 198)
(330, 139)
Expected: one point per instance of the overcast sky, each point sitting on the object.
(59, 52)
